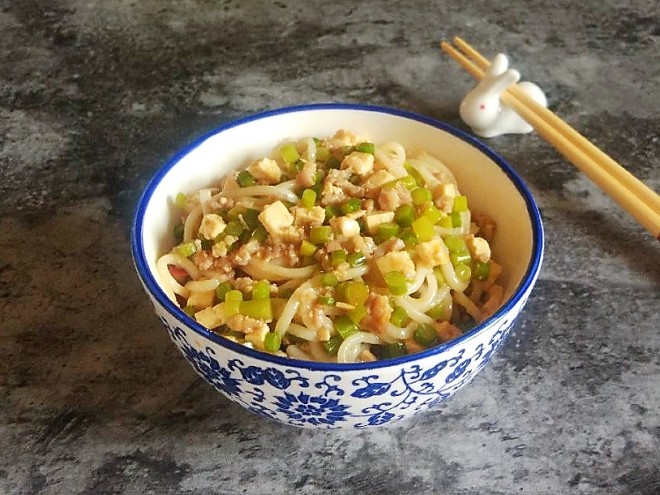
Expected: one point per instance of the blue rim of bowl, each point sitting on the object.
(152, 286)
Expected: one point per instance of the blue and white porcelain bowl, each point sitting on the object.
(322, 395)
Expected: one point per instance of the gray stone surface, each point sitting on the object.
(94, 95)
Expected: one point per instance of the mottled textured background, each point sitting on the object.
(94, 95)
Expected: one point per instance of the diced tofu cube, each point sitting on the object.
(201, 299)
(358, 163)
(479, 248)
(344, 138)
(309, 216)
(373, 220)
(448, 190)
(432, 253)
(377, 180)
(208, 317)
(396, 261)
(323, 334)
(348, 226)
(257, 336)
(275, 217)
(266, 169)
(212, 226)
(445, 195)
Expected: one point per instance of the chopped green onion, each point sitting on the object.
(396, 282)
(329, 280)
(320, 234)
(439, 276)
(404, 215)
(356, 293)
(409, 238)
(294, 168)
(332, 211)
(236, 212)
(415, 173)
(272, 342)
(190, 310)
(460, 204)
(355, 259)
(245, 179)
(353, 204)
(387, 230)
(366, 148)
(395, 349)
(308, 198)
(181, 200)
(357, 314)
(207, 244)
(399, 317)
(420, 195)
(289, 153)
(445, 222)
(338, 257)
(389, 185)
(460, 257)
(423, 228)
(456, 219)
(455, 243)
(307, 248)
(187, 249)
(322, 154)
(222, 290)
(481, 271)
(251, 218)
(408, 181)
(463, 272)
(433, 213)
(326, 300)
(345, 326)
(319, 175)
(425, 335)
(234, 227)
(233, 300)
(261, 290)
(259, 309)
(234, 295)
(332, 345)
(440, 312)
(333, 162)
(260, 234)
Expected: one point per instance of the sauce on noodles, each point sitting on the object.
(335, 250)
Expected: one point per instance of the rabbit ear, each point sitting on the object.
(498, 65)
(503, 81)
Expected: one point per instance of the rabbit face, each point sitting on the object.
(479, 110)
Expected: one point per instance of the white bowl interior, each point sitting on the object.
(488, 188)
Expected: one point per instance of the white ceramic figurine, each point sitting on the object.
(482, 109)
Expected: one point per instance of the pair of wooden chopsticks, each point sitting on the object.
(632, 195)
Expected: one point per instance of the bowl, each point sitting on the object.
(330, 395)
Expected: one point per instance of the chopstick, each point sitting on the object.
(640, 201)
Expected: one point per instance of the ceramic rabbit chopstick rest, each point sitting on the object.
(482, 109)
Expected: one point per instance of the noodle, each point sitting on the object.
(262, 269)
(275, 191)
(352, 345)
(334, 250)
(192, 224)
